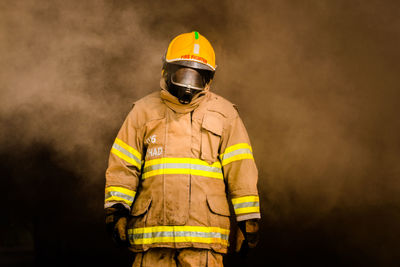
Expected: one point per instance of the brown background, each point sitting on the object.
(317, 84)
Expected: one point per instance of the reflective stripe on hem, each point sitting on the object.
(179, 234)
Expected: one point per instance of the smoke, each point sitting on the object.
(316, 83)
(69, 70)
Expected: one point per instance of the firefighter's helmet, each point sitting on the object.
(189, 65)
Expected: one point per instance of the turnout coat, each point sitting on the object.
(175, 167)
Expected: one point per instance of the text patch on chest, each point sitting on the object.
(152, 139)
(155, 151)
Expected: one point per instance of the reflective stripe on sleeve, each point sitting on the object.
(182, 166)
(126, 153)
(119, 194)
(236, 152)
(179, 234)
(248, 204)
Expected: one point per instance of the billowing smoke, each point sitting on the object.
(316, 83)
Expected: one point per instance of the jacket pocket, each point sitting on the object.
(218, 204)
(141, 206)
(210, 137)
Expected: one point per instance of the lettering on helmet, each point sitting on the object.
(195, 58)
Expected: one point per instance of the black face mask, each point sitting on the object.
(185, 83)
(184, 95)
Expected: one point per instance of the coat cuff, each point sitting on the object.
(117, 194)
(249, 216)
(246, 207)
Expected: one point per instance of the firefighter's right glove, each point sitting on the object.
(247, 236)
(116, 224)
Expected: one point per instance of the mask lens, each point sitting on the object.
(188, 78)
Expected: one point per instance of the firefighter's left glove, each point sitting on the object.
(247, 236)
(116, 224)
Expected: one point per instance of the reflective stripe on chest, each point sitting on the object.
(182, 166)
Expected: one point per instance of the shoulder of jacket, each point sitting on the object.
(152, 99)
(148, 108)
(223, 106)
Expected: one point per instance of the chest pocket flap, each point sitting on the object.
(212, 123)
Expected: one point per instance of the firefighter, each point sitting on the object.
(181, 154)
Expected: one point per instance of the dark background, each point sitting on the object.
(316, 82)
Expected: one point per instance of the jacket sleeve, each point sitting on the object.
(240, 170)
(125, 163)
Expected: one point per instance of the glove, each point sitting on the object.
(247, 236)
(116, 222)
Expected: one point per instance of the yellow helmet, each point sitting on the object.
(193, 50)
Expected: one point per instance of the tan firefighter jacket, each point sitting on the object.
(175, 167)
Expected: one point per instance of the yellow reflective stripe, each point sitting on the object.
(129, 148)
(237, 157)
(216, 164)
(182, 166)
(179, 239)
(124, 157)
(247, 204)
(126, 153)
(176, 234)
(203, 229)
(247, 210)
(236, 147)
(118, 199)
(121, 190)
(245, 199)
(119, 194)
(236, 152)
(183, 171)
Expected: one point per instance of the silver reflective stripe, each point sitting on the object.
(126, 153)
(246, 204)
(119, 194)
(179, 234)
(237, 152)
(182, 166)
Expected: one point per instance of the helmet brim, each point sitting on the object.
(192, 64)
